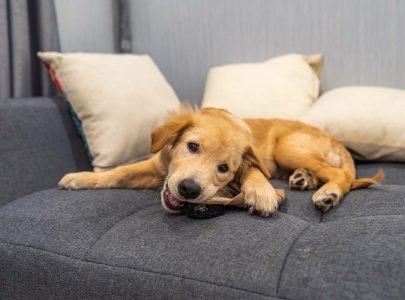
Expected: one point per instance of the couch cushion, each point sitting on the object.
(282, 87)
(122, 241)
(372, 201)
(373, 126)
(361, 258)
(38, 145)
(384, 199)
(118, 99)
(394, 172)
(68, 222)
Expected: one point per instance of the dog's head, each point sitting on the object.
(207, 149)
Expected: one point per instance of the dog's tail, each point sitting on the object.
(365, 182)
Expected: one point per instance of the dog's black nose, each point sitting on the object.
(189, 189)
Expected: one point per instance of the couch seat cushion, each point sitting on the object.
(360, 258)
(122, 243)
(394, 172)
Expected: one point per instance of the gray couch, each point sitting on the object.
(110, 244)
(121, 244)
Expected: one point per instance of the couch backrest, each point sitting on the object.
(39, 145)
(363, 40)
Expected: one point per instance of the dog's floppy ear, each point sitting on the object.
(171, 129)
(250, 158)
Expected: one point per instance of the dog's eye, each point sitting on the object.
(193, 147)
(223, 168)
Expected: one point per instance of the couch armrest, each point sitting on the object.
(38, 145)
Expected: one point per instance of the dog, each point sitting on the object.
(199, 153)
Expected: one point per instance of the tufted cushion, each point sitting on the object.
(121, 244)
(359, 258)
(119, 234)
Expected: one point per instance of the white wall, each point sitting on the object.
(363, 40)
(86, 26)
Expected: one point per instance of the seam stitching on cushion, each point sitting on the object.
(145, 271)
(286, 258)
(112, 226)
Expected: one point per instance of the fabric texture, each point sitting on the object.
(118, 99)
(361, 258)
(100, 239)
(121, 243)
(39, 145)
(393, 172)
(370, 121)
(282, 87)
(26, 26)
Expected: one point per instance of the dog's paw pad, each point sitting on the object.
(303, 179)
(325, 200)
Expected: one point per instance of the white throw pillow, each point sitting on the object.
(282, 87)
(118, 98)
(368, 120)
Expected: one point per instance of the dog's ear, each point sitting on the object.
(167, 133)
(250, 158)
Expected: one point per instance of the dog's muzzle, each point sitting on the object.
(170, 200)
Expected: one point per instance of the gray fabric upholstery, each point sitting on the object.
(39, 145)
(394, 172)
(120, 233)
(113, 244)
(375, 200)
(361, 258)
(26, 26)
(28, 273)
(120, 243)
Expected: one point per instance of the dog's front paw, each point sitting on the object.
(80, 180)
(260, 198)
(327, 197)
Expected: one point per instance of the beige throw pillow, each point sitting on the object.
(282, 87)
(368, 120)
(118, 98)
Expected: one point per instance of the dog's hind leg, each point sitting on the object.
(333, 167)
(337, 185)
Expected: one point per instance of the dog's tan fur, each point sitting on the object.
(254, 150)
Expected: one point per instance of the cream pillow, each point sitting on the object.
(282, 87)
(368, 120)
(118, 99)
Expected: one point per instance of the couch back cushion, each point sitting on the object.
(39, 145)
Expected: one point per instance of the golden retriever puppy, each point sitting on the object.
(199, 153)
